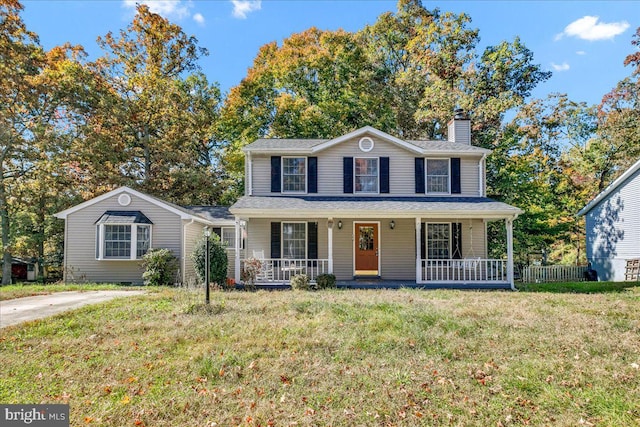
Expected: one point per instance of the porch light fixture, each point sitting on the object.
(392, 224)
(339, 224)
(207, 234)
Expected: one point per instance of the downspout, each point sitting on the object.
(481, 175)
(184, 248)
(249, 189)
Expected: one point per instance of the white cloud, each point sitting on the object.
(588, 28)
(176, 9)
(198, 18)
(561, 67)
(242, 7)
(581, 52)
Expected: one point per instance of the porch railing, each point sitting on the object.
(282, 270)
(464, 270)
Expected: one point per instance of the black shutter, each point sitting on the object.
(455, 175)
(456, 237)
(347, 172)
(275, 174)
(423, 241)
(312, 240)
(420, 177)
(312, 174)
(275, 240)
(384, 174)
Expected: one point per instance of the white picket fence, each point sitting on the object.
(553, 273)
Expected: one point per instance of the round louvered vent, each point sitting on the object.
(366, 144)
(124, 199)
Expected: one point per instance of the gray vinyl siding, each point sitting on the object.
(613, 230)
(80, 262)
(330, 174)
(193, 233)
(397, 247)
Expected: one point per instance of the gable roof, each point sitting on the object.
(611, 188)
(183, 213)
(310, 146)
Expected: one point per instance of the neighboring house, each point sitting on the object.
(374, 206)
(106, 237)
(613, 226)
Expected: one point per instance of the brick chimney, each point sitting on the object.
(459, 128)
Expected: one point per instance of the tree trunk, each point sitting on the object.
(5, 227)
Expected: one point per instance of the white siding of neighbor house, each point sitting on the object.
(330, 173)
(397, 247)
(613, 230)
(80, 245)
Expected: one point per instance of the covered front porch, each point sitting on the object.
(389, 252)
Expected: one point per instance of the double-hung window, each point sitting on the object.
(437, 171)
(294, 175)
(366, 175)
(124, 235)
(438, 241)
(228, 238)
(294, 240)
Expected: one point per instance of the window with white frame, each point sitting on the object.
(438, 241)
(294, 240)
(228, 238)
(294, 175)
(366, 175)
(122, 235)
(437, 171)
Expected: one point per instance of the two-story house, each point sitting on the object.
(370, 205)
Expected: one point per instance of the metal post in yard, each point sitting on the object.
(207, 233)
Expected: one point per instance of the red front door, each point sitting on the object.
(366, 249)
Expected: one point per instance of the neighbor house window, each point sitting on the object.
(294, 240)
(122, 235)
(294, 174)
(438, 241)
(366, 175)
(437, 176)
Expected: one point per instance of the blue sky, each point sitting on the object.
(583, 42)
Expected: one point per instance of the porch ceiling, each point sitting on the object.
(383, 207)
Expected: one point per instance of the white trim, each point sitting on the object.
(419, 250)
(184, 215)
(306, 237)
(362, 131)
(306, 174)
(366, 139)
(354, 241)
(237, 274)
(610, 188)
(426, 173)
(330, 244)
(378, 174)
(124, 199)
(509, 227)
(249, 174)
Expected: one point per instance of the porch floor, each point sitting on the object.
(394, 284)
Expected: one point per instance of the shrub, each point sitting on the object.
(250, 270)
(218, 261)
(326, 281)
(160, 267)
(300, 282)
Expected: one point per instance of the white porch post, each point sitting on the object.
(237, 250)
(330, 244)
(509, 226)
(418, 251)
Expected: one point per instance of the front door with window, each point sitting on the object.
(366, 249)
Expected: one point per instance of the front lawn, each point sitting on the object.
(21, 290)
(340, 358)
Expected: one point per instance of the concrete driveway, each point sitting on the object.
(19, 310)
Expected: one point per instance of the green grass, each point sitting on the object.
(579, 287)
(338, 358)
(21, 290)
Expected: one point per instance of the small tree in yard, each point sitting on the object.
(160, 267)
(218, 260)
